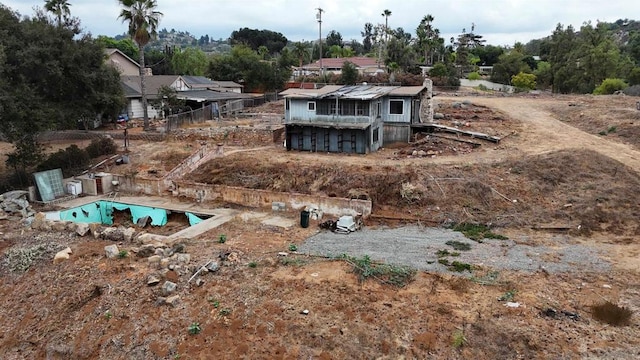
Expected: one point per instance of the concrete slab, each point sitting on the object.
(251, 215)
(223, 216)
(280, 222)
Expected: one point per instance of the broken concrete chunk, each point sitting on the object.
(146, 251)
(183, 258)
(168, 287)
(128, 234)
(111, 251)
(213, 266)
(82, 229)
(153, 280)
(173, 300)
(62, 255)
(155, 259)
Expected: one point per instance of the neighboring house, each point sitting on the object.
(201, 82)
(197, 91)
(365, 66)
(352, 119)
(124, 64)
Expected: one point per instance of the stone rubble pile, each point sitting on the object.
(15, 202)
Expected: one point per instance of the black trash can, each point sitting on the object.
(304, 219)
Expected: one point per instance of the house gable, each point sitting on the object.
(124, 64)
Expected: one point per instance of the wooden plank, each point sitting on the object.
(475, 144)
(473, 134)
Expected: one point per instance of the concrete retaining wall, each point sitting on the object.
(265, 198)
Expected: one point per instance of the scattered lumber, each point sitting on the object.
(475, 144)
(473, 134)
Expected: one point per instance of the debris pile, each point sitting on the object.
(15, 202)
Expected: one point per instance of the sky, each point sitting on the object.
(500, 22)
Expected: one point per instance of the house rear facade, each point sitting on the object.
(351, 119)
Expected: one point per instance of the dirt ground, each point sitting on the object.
(553, 172)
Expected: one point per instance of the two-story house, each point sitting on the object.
(351, 119)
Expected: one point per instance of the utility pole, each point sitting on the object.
(319, 18)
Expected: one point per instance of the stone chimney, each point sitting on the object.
(426, 103)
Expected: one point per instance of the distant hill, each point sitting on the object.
(183, 39)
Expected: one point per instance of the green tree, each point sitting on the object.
(349, 75)
(544, 76)
(367, 37)
(143, 19)
(243, 65)
(427, 39)
(464, 45)
(254, 38)
(508, 65)
(634, 76)
(301, 52)
(489, 55)
(60, 8)
(52, 77)
(126, 45)
(334, 38)
(524, 81)
(190, 61)
(168, 101)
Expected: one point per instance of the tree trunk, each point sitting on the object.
(143, 90)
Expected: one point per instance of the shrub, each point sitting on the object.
(123, 254)
(458, 339)
(474, 76)
(459, 245)
(253, 264)
(611, 313)
(101, 146)
(71, 160)
(293, 247)
(610, 86)
(524, 81)
(388, 274)
(222, 238)
(477, 232)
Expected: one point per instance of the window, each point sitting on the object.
(376, 136)
(378, 108)
(396, 107)
(311, 106)
(286, 104)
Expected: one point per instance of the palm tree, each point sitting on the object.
(301, 51)
(143, 24)
(386, 13)
(60, 8)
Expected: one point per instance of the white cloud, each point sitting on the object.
(501, 22)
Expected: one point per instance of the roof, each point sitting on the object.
(153, 83)
(407, 90)
(302, 93)
(227, 84)
(358, 61)
(331, 125)
(355, 92)
(111, 51)
(211, 95)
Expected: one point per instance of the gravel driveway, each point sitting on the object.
(417, 247)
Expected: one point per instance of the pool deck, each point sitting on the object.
(150, 201)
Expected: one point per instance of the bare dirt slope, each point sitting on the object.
(91, 307)
(543, 132)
